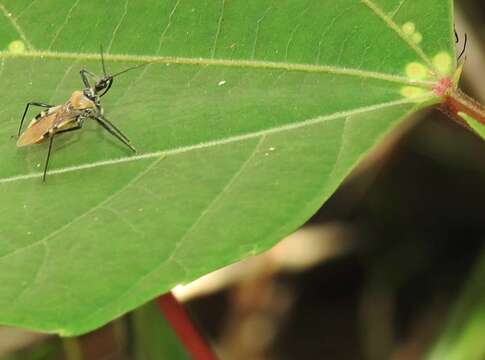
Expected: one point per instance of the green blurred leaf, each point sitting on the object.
(153, 337)
(463, 335)
(475, 125)
(249, 116)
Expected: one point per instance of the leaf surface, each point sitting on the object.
(247, 118)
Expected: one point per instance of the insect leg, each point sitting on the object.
(122, 138)
(48, 157)
(102, 59)
(113, 126)
(84, 76)
(27, 108)
(51, 140)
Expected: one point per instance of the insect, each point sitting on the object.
(70, 116)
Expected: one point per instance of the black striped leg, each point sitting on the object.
(84, 76)
(114, 131)
(27, 108)
(51, 140)
(113, 126)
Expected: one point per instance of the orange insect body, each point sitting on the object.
(55, 119)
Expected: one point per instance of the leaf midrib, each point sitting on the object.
(227, 140)
(370, 4)
(200, 61)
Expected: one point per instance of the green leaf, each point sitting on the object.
(249, 116)
(463, 335)
(154, 339)
(474, 124)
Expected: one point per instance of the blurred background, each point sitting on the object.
(378, 273)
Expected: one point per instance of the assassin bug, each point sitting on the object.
(82, 105)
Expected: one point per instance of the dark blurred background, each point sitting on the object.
(373, 275)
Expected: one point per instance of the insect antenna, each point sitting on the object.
(104, 84)
(464, 47)
(102, 60)
(457, 40)
(130, 68)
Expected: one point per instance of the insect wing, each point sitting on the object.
(37, 130)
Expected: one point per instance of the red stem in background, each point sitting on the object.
(178, 318)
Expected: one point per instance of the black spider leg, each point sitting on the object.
(84, 76)
(51, 140)
(117, 134)
(27, 108)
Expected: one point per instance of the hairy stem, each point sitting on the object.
(457, 101)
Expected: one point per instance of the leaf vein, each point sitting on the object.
(37, 273)
(393, 14)
(310, 68)
(16, 25)
(59, 84)
(179, 243)
(24, 10)
(341, 147)
(87, 212)
(203, 213)
(256, 32)
(63, 25)
(218, 31)
(115, 31)
(167, 27)
(122, 218)
(228, 140)
(392, 25)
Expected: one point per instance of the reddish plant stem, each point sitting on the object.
(178, 318)
(456, 101)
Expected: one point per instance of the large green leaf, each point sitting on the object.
(248, 117)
